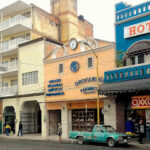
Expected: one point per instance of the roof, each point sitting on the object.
(14, 8)
(123, 87)
(139, 47)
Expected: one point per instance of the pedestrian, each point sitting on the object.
(20, 129)
(7, 129)
(59, 131)
(141, 129)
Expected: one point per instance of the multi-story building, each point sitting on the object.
(70, 72)
(22, 66)
(128, 86)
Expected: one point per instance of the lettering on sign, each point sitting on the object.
(55, 88)
(137, 29)
(140, 102)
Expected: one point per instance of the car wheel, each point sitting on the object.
(80, 140)
(111, 142)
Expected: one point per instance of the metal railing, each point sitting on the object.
(140, 71)
(19, 19)
(8, 91)
(12, 44)
(11, 66)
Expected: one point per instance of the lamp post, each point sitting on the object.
(97, 79)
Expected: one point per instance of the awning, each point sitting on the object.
(132, 86)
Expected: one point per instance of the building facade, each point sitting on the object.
(71, 86)
(128, 85)
(22, 74)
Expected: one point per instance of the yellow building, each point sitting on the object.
(70, 84)
(22, 73)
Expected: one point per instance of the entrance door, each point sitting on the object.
(9, 117)
(54, 119)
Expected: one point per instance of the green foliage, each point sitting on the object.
(119, 58)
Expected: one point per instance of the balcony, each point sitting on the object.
(15, 25)
(10, 47)
(8, 91)
(10, 69)
(134, 72)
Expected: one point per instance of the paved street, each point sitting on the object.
(13, 144)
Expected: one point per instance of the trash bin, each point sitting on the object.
(148, 133)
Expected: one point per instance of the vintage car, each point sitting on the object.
(101, 134)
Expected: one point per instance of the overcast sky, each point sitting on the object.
(99, 12)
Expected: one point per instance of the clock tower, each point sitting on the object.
(66, 11)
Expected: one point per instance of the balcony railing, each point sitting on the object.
(12, 44)
(8, 91)
(14, 21)
(11, 66)
(127, 73)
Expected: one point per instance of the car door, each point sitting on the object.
(99, 135)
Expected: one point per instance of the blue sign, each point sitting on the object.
(74, 67)
(89, 79)
(55, 88)
(88, 90)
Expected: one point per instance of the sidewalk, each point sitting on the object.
(37, 137)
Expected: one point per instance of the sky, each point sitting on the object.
(101, 13)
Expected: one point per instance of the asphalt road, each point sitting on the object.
(12, 144)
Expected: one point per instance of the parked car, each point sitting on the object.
(101, 134)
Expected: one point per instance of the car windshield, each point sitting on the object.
(109, 128)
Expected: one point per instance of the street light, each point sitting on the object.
(97, 79)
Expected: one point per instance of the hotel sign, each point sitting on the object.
(137, 29)
(140, 102)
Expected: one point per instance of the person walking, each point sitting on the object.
(59, 131)
(141, 129)
(20, 129)
(7, 129)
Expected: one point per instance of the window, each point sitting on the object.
(121, 74)
(122, 16)
(131, 73)
(90, 62)
(118, 17)
(139, 10)
(98, 129)
(75, 4)
(148, 71)
(144, 8)
(30, 78)
(14, 82)
(112, 76)
(126, 14)
(126, 74)
(142, 71)
(60, 68)
(132, 60)
(148, 7)
(140, 59)
(134, 12)
(116, 75)
(129, 13)
(136, 72)
(107, 77)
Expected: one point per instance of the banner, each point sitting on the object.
(140, 102)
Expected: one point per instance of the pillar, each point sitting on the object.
(65, 121)
(110, 112)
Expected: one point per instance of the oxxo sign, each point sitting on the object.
(137, 29)
(140, 102)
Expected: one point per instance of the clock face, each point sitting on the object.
(73, 43)
(74, 67)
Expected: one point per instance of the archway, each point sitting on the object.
(30, 117)
(9, 117)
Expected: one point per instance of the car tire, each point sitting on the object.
(111, 142)
(80, 140)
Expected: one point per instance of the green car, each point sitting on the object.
(101, 134)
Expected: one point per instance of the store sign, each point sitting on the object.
(137, 29)
(88, 89)
(55, 88)
(139, 102)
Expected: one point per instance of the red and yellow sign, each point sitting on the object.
(140, 102)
